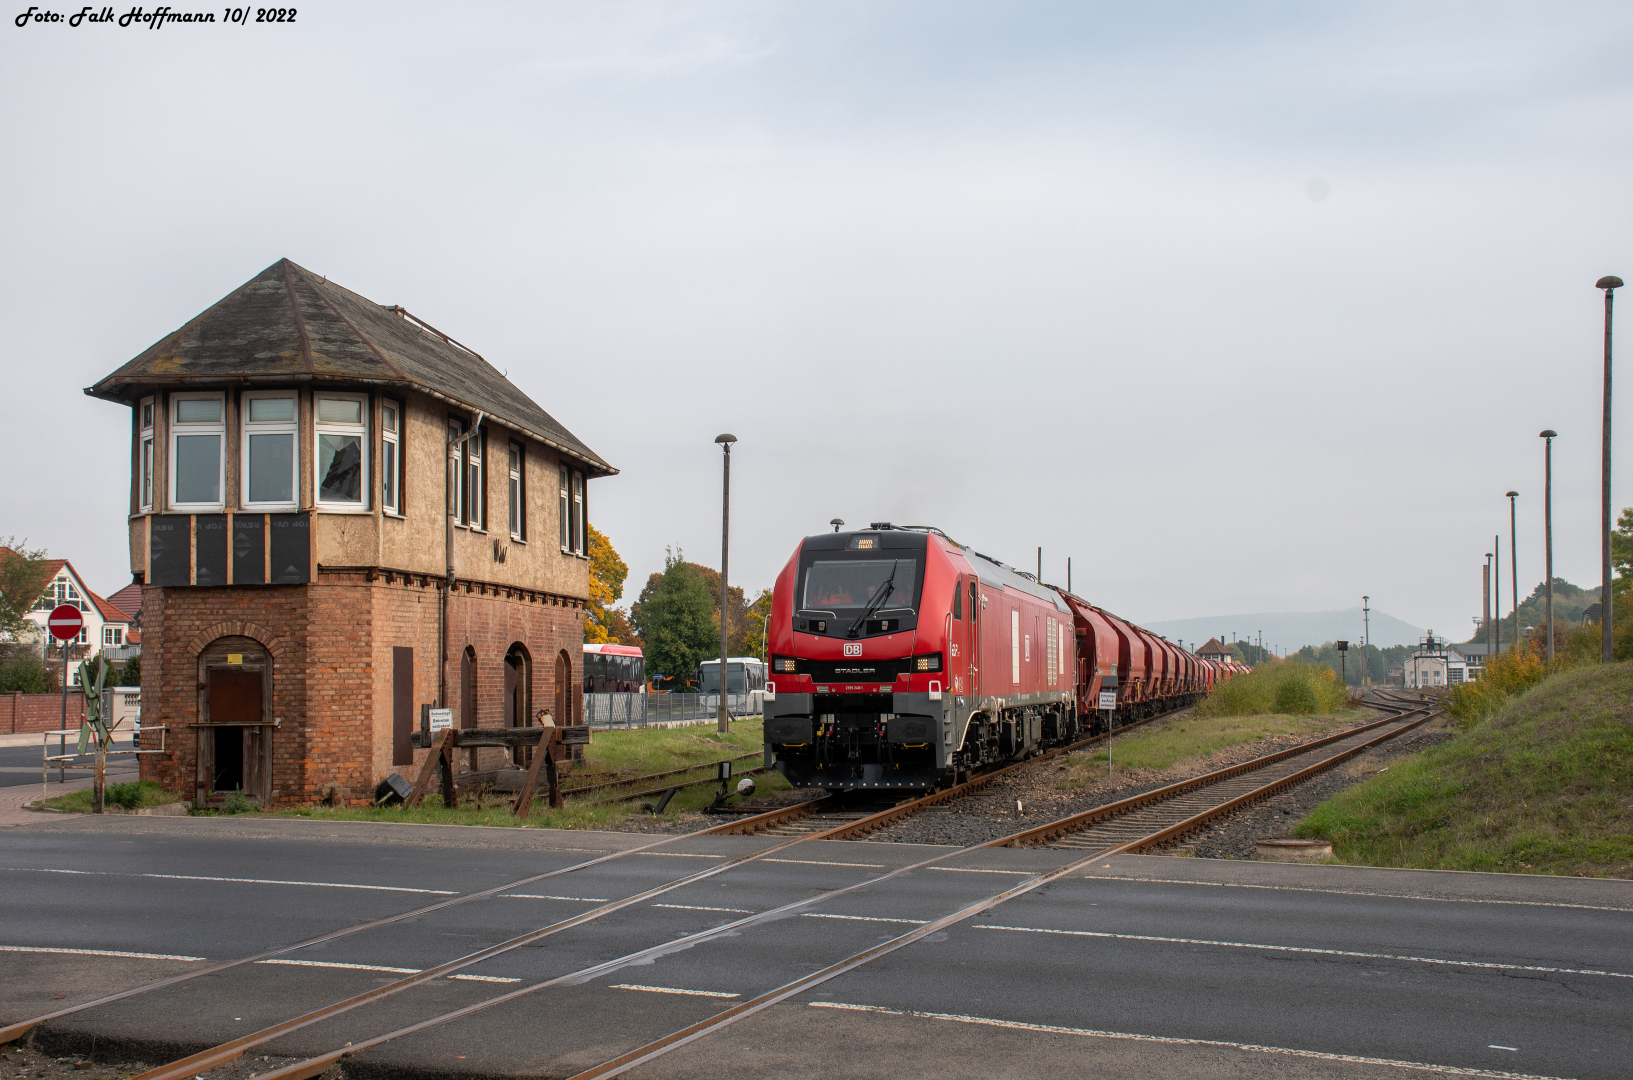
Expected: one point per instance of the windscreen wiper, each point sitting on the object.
(878, 600)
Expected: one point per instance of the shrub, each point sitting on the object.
(237, 804)
(130, 672)
(1506, 676)
(1279, 686)
(22, 671)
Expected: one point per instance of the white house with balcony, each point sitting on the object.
(108, 629)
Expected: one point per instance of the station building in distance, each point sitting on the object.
(338, 515)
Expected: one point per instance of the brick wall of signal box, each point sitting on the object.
(332, 657)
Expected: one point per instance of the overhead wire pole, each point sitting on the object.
(1548, 435)
(1610, 285)
(723, 713)
(1514, 564)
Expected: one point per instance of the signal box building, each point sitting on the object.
(338, 515)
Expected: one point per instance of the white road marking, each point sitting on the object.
(1318, 952)
(1350, 892)
(700, 907)
(678, 855)
(672, 990)
(972, 870)
(337, 964)
(862, 918)
(1316, 1055)
(819, 862)
(534, 896)
(99, 952)
(484, 978)
(1494, 1046)
(241, 880)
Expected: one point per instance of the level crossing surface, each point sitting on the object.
(1353, 964)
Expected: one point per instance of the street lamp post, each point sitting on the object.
(1548, 435)
(1514, 565)
(1610, 285)
(1366, 637)
(1486, 604)
(723, 714)
(1497, 591)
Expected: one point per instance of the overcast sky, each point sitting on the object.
(1241, 307)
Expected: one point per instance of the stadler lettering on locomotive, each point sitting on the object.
(900, 659)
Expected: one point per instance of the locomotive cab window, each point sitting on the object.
(958, 604)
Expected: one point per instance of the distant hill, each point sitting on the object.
(1292, 630)
(1569, 603)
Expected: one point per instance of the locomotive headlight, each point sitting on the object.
(929, 662)
(783, 665)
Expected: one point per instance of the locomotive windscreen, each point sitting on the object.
(832, 585)
(846, 573)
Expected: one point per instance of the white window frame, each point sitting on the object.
(579, 530)
(146, 410)
(517, 509)
(113, 637)
(179, 430)
(290, 427)
(332, 427)
(476, 480)
(566, 512)
(391, 457)
(1015, 646)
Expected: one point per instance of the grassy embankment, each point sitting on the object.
(610, 755)
(1540, 781)
(1277, 698)
(131, 796)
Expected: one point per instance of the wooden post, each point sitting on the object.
(417, 794)
(450, 797)
(544, 758)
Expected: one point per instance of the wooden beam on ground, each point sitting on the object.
(427, 770)
(543, 761)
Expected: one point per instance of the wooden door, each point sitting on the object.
(564, 674)
(240, 749)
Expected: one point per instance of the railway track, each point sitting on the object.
(1129, 825)
(1302, 761)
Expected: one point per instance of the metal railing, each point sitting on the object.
(610, 711)
(117, 653)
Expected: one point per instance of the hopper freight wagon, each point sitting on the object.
(900, 659)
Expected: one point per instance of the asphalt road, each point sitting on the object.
(1137, 965)
(21, 764)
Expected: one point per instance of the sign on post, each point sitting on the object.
(1108, 700)
(441, 719)
(65, 622)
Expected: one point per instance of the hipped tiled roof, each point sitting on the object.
(288, 324)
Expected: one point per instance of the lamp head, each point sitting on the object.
(1609, 281)
(725, 440)
(1547, 433)
(1513, 494)
(836, 523)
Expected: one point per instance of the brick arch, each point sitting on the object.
(276, 644)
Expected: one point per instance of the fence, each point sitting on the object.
(643, 710)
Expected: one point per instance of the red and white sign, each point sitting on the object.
(65, 622)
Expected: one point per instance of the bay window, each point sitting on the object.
(341, 465)
(270, 449)
(197, 463)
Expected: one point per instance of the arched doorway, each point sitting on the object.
(518, 693)
(234, 744)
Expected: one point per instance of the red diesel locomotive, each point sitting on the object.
(900, 659)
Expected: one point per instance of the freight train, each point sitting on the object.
(900, 659)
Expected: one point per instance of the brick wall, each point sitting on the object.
(39, 712)
(331, 648)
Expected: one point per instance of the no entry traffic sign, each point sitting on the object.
(65, 622)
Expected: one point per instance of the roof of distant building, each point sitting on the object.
(289, 324)
(128, 600)
(1214, 647)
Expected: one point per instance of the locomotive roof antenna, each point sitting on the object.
(836, 523)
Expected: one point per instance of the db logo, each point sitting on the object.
(853, 650)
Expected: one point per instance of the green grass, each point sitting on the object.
(610, 755)
(1285, 687)
(1544, 786)
(1193, 735)
(130, 796)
